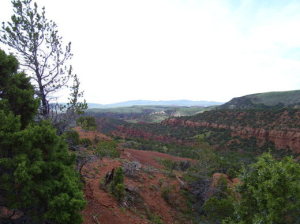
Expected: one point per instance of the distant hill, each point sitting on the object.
(146, 113)
(265, 100)
(186, 103)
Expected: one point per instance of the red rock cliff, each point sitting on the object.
(283, 139)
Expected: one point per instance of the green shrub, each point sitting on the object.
(117, 185)
(154, 219)
(87, 123)
(217, 209)
(220, 204)
(85, 142)
(107, 149)
(168, 164)
(72, 138)
(166, 194)
(119, 191)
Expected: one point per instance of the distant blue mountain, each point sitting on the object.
(186, 103)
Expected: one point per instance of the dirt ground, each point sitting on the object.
(103, 208)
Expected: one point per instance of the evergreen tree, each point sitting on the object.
(16, 91)
(117, 185)
(37, 175)
(270, 193)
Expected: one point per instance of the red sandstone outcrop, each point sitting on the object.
(283, 139)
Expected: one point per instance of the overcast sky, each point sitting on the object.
(179, 49)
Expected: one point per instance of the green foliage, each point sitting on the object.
(174, 165)
(167, 163)
(87, 123)
(107, 148)
(72, 138)
(217, 209)
(117, 186)
(166, 194)
(220, 205)
(16, 91)
(119, 191)
(154, 218)
(74, 105)
(208, 163)
(85, 142)
(37, 174)
(270, 192)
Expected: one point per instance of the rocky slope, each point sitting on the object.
(153, 195)
(280, 127)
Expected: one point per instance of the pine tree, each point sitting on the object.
(37, 173)
(269, 193)
(39, 47)
(117, 185)
(16, 91)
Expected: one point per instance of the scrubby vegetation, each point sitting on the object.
(87, 123)
(107, 148)
(219, 205)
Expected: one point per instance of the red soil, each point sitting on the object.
(150, 158)
(103, 208)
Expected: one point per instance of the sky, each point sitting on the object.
(178, 49)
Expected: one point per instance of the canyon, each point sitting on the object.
(282, 138)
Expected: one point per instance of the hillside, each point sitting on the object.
(220, 141)
(255, 130)
(182, 163)
(279, 127)
(264, 100)
(153, 194)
